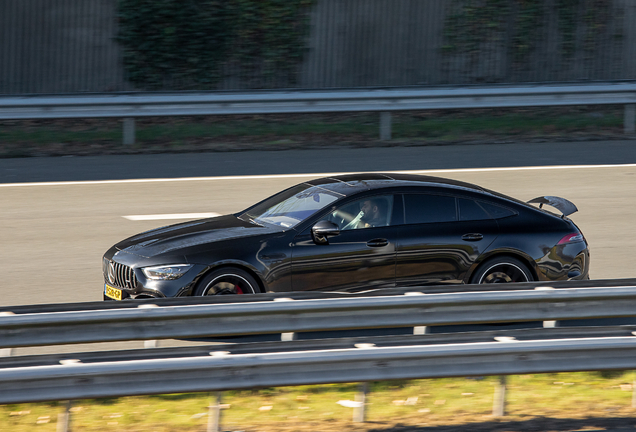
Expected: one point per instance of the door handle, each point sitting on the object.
(377, 242)
(472, 237)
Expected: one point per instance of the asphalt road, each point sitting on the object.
(53, 233)
(329, 159)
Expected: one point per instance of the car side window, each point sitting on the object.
(424, 208)
(470, 210)
(364, 213)
(496, 211)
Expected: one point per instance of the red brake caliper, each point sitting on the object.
(238, 289)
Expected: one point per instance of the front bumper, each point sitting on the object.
(137, 286)
(130, 295)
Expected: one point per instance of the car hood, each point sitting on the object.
(174, 237)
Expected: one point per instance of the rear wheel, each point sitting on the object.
(227, 281)
(502, 270)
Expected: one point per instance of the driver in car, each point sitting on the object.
(372, 214)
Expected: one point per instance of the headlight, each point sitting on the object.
(166, 272)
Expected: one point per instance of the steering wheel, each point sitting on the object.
(354, 221)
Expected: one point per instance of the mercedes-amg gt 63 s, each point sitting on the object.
(354, 232)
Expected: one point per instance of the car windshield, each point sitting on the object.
(290, 207)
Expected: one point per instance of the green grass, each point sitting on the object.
(204, 133)
(512, 124)
(180, 130)
(586, 398)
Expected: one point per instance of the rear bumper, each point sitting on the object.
(565, 262)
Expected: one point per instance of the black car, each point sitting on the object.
(354, 232)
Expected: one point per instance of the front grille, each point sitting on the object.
(120, 275)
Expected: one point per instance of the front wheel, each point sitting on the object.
(227, 281)
(502, 270)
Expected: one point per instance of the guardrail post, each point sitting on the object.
(129, 131)
(421, 330)
(547, 324)
(6, 352)
(629, 122)
(499, 405)
(360, 411)
(286, 337)
(64, 418)
(385, 126)
(214, 414)
(418, 330)
(153, 343)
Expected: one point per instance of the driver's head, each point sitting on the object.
(372, 209)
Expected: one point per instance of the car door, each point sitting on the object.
(441, 238)
(359, 257)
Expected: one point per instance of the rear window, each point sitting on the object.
(422, 208)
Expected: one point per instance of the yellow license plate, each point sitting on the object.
(112, 292)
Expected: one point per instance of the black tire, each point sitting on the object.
(502, 270)
(227, 280)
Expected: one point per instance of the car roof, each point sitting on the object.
(350, 184)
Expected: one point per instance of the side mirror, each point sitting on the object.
(323, 229)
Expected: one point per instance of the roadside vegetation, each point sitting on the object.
(546, 402)
(277, 132)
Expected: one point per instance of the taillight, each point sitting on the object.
(571, 238)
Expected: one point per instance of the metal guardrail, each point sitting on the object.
(313, 315)
(239, 346)
(385, 100)
(276, 102)
(222, 371)
(221, 367)
(312, 295)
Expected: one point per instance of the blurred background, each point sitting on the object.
(111, 46)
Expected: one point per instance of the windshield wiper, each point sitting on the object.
(253, 221)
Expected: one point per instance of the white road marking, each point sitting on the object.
(171, 216)
(314, 175)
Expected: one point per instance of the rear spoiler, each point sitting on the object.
(561, 204)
